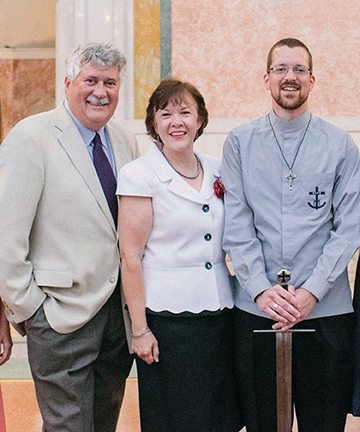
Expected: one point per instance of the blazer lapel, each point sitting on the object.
(72, 142)
(211, 173)
(119, 148)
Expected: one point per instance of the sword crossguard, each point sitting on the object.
(283, 277)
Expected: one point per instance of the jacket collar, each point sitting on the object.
(70, 139)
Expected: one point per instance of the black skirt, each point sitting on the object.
(192, 388)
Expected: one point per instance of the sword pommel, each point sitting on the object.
(283, 277)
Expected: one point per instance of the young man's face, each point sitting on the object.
(289, 91)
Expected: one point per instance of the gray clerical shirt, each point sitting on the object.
(311, 230)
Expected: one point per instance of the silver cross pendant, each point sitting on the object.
(291, 176)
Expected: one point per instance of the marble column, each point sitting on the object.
(83, 21)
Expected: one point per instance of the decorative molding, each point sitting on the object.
(27, 53)
(212, 141)
(224, 126)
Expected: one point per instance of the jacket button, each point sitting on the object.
(208, 265)
(205, 208)
(207, 237)
(112, 280)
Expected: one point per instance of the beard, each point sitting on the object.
(291, 102)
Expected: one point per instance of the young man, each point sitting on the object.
(292, 201)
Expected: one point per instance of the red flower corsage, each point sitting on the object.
(219, 189)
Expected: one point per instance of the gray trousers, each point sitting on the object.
(80, 377)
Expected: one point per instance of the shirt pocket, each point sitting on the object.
(54, 278)
(316, 194)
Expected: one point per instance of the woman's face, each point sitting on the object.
(177, 125)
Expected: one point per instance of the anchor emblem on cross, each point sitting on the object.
(316, 200)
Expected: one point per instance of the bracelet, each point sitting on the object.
(146, 330)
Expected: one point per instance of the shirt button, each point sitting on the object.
(112, 280)
(205, 208)
(207, 237)
(208, 265)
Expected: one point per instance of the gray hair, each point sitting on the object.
(96, 54)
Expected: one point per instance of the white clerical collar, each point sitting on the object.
(292, 125)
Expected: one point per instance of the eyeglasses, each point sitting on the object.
(283, 70)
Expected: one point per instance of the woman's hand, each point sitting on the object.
(146, 347)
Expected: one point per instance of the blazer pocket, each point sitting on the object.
(54, 279)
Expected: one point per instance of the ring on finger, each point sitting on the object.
(275, 305)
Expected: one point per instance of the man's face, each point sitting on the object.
(93, 95)
(289, 92)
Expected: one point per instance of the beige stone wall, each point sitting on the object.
(221, 46)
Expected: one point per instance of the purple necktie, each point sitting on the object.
(106, 175)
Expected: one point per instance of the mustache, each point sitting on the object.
(96, 101)
(290, 83)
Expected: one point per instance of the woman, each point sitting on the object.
(174, 274)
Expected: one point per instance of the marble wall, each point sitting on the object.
(146, 52)
(222, 49)
(27, 86)
(6, 97)
(33, 87)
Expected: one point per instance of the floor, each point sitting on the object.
(18, 393)
(22, 413)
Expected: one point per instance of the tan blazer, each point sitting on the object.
(58, 241)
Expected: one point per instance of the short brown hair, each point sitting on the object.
(175, 91)
(291, 43)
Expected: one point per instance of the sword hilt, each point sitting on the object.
(283, 277)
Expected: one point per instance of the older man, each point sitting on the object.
(59, 258)
(292, 201)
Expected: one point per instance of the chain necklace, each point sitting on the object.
(183, 175)
(291, 176)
